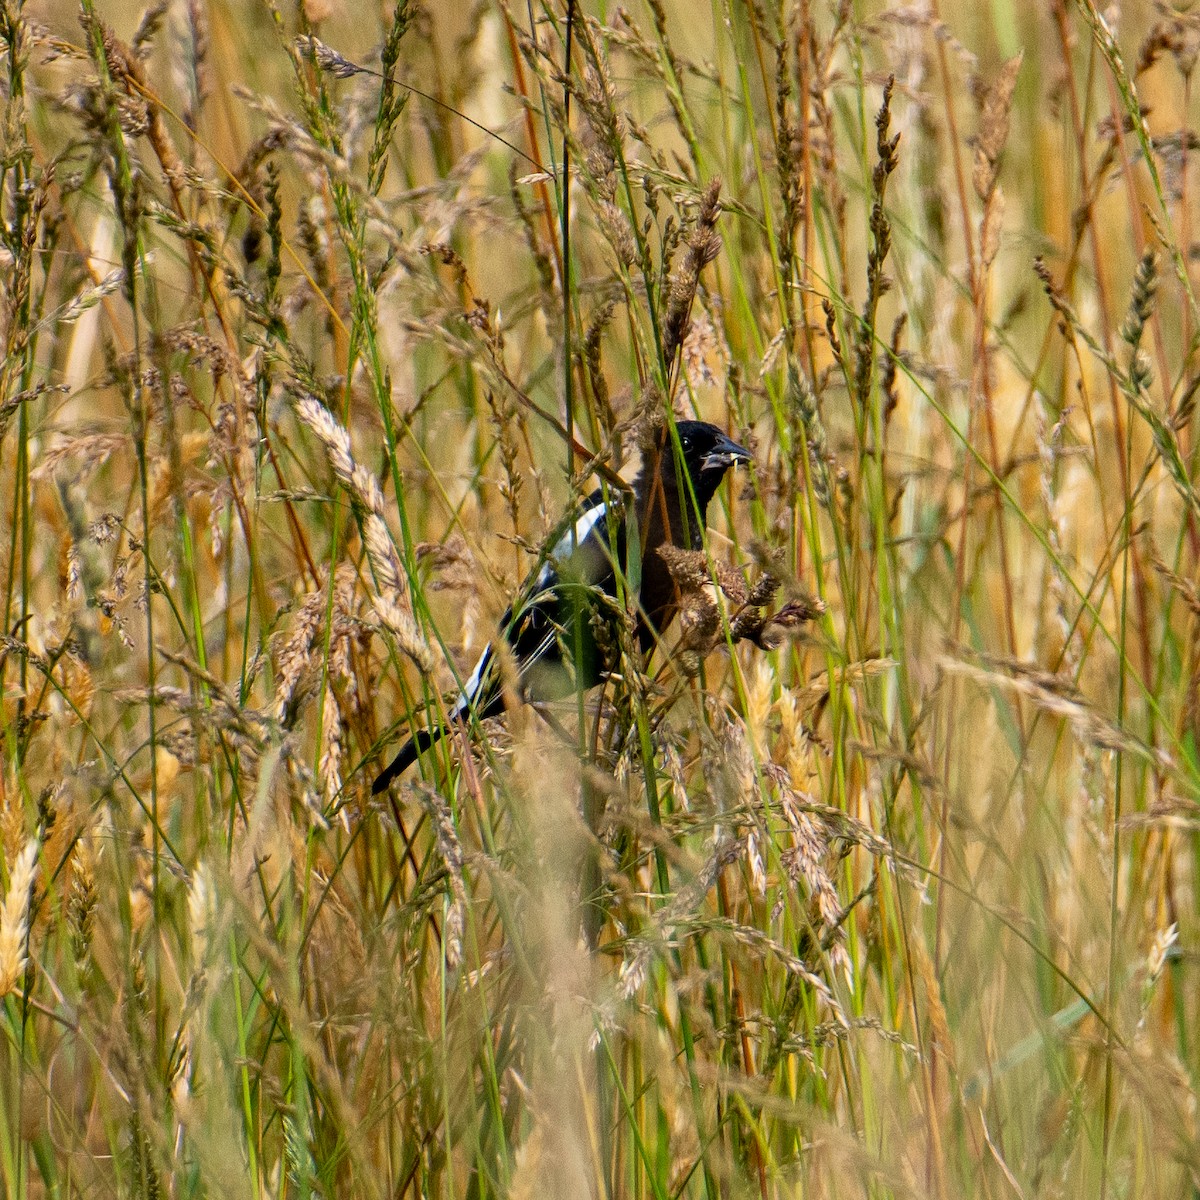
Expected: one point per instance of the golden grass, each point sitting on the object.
(881, 881)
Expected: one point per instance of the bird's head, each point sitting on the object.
(706, 453)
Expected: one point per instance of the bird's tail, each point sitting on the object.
(418, 744)
(481, 690)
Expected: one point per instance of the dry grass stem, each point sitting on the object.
(896, 827)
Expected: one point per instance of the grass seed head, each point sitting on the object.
(14, 917)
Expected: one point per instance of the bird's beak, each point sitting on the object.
(725, 454)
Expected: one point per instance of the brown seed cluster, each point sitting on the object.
(705, 587)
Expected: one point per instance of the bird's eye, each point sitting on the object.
(685, 444)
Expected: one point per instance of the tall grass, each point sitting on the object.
(879, 879)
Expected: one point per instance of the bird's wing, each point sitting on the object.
(535, 625)
(542, 625)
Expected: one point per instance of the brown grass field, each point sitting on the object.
(878, 879)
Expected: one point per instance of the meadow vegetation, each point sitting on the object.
(879, 879)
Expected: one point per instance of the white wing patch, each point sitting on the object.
(470, 693)
(584, 524)
(566, 545)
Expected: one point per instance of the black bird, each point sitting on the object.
(550, 625)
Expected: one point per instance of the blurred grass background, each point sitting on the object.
(297, 305)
